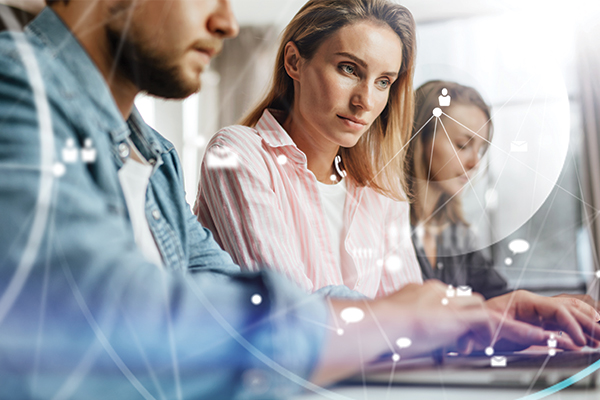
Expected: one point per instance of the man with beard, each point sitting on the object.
(96, 237)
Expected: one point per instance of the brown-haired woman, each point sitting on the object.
(442, 159)
(310, 186)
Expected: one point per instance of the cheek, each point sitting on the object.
(443, 160)
(330, 91)
(381, 101)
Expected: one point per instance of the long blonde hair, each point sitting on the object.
(377, 158)
(426, 99)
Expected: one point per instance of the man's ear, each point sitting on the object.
(291, 60)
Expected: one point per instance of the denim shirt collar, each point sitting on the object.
(59, 40)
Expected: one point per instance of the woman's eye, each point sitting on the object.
(461, 145)
(384, 83)
(349, 69)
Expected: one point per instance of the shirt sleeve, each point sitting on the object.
(84, 316)
(203, 252)
(241, 207)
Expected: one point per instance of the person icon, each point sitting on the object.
(88, 153)
(444, 98)
(69, 152)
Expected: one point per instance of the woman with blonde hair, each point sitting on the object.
(308, 184)
(442, 159)
(311, 186)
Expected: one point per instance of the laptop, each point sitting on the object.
(531, 368)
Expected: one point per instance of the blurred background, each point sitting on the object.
(537, 63)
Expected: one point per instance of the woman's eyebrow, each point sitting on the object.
(362, 63)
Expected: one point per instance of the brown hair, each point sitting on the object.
(377, 157)
(426, 99)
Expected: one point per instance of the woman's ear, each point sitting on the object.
(291, 60)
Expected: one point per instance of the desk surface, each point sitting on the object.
(438, 393)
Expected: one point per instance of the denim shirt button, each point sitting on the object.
(156, 214)
(124, 150)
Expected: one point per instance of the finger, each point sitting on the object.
(565, 342)
(523, 333)
(589, 326)
(555, 312)
(583, 307)
(478, 323)
(466, 344)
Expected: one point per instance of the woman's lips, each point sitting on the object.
(353, 122)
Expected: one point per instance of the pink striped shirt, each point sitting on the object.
(263, 206)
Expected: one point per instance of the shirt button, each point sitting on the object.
(124, 150)
(156, 214)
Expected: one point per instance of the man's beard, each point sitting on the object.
(148, 71)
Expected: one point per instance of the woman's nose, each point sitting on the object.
(363, 97)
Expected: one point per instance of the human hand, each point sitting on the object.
(568, 314)
(462, 322)
(586, 298)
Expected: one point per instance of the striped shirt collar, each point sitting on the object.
(273, 135)
(271, 131)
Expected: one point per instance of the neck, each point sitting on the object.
(87, 22)
(319, 155)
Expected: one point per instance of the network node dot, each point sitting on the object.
(598, 274)
(256, 299)
(489, 351)
(552, 352)
(340, 332)
(437, 112)
(396, 357)
(508, 261)
(333, 178)
(58, 169)
(445, 301)
(282, 160)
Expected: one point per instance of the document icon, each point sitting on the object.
(221, 158)
(552, 343)
(518, 146)
(464, 291)
(450, 292)
(498, 361)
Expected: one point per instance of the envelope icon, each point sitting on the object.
(450, 292)
(518, 146)
(552, 343)
(464, 291)
(221, 158)
(498, 361)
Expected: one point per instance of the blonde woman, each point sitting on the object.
(339, 109)
(313, 192)
(442, 158)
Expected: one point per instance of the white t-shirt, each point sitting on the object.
(134, 176)
(334, 197)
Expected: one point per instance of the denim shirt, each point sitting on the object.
(82, 314)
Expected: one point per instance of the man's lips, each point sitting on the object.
(209, 51)
(205, 54)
